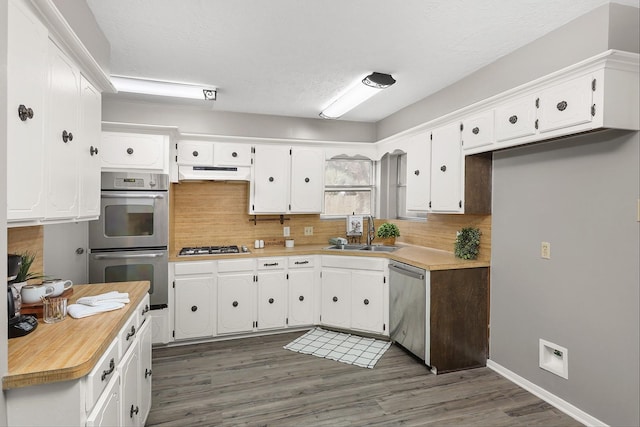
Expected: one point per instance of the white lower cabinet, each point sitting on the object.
(236, 296)
(272, 294)
(117, 391)
(303, 281)
(355, 293)
(194, 299)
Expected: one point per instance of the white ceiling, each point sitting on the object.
(293, 57)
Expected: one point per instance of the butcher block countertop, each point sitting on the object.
(69, 349)
(419, 256)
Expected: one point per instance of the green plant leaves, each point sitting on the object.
(467, 243)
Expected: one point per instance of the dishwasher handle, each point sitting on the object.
(406, 272)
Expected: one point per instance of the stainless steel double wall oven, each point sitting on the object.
(129, 241)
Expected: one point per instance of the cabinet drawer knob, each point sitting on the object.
(133, 411)
(306, 180)
(301, 298)
(195, 154)
(562, 105)
(416, 172)
(66, 136)
(335, 299)
(366, 302)
(129, 150)
(513, 119)
(131, 333)
(235, 303)
(234, 154)
(112, 366)
(25, 113)
(443, 168)
(475, 130)
(270, 179)
(270, 300)
(147, 373)
(194, 308)
(93, 150)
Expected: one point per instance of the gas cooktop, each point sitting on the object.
(209, 250)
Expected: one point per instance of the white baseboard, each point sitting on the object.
(548, 397)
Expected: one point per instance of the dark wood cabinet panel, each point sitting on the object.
(477, 183)
(459, 318)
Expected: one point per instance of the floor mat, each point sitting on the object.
(345, 348)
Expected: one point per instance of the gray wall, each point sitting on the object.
(190, 119)
(611, 26)
(579, 194)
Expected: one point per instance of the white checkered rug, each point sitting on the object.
(345, 348)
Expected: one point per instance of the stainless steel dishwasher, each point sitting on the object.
(409, 302)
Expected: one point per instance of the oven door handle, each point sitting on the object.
(121, 256)
(131, 196)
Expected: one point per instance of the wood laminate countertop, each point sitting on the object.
(69, 349)
(419, 256)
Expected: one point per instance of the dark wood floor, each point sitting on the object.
(255, 381)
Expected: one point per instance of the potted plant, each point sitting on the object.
(388, 233)
(467, 243)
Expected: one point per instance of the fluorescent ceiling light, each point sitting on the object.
(357, 94)
(163, 88)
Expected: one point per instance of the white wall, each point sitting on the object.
(580, 194)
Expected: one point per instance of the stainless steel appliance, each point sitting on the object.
(129, 241)
(409, 296)
(211, 250)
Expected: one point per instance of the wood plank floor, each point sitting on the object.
(254, 381)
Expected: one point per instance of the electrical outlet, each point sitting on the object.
(286, 231)
(308, 231)
(553, 358)
(545, 250)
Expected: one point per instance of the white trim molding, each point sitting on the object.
(555, 401)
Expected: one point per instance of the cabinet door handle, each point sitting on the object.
(366, 302)
(147, 373)
(443, 168)
(133, 411)
(562, 105)
(513, 119)
(129, 150)
(270, 264)
(235, 303)
(194, 308)
(270, 179)
(416, 172)
(301, 262)
(270, 300)
(93, 150)
(234, 154)
(112, 366)
(301, 298)
(335, 299)
(131, 333)
(475, 130)
(25, 113)
(306, 180)
(195, 154)
(66, 136)
(145, 309)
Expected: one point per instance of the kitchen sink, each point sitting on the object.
(372, 248)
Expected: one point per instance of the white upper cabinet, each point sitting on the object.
(516, 119)
(225, 154)
(477, 131)
(89, 140)
(418, 172)
(566, 104)
(307, 180)
(287, 180)
(446, 169)
(197, 153)
(26, 83)
(134, 151)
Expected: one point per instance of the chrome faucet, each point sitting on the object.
(371, 232)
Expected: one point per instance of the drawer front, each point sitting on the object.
(565, 105)
(196, 153)
(101, 374)
(354, 262)
(516, 119)
(228, 266)
(198, 267)
(128, 333)
(139, 151)
(232, 154)
(477, 131)
(271, 263)
(302, 262)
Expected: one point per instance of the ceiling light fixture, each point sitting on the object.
(357, 94)
(163, 88)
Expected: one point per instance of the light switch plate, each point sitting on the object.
(286, 231)
(545, 250)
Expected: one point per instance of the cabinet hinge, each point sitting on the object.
(174, 284)
(461, 127)
(287, 276)
(429, 204)
(321, 318)
(321, 274)
(176, 159)
(537, 102)
(593, 110)
(593, 85)
(290, 151)
(173, 333)
(384, 326)
(176, 145)
(289, 207)
(253, 207)
(253, 150)
(536, 124)
(460, 204)
(286, 321)
(431, 136)
(256, 324)
(384, 279)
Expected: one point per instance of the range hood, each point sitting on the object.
(214, 173)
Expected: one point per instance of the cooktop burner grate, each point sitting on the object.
(208, 250)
